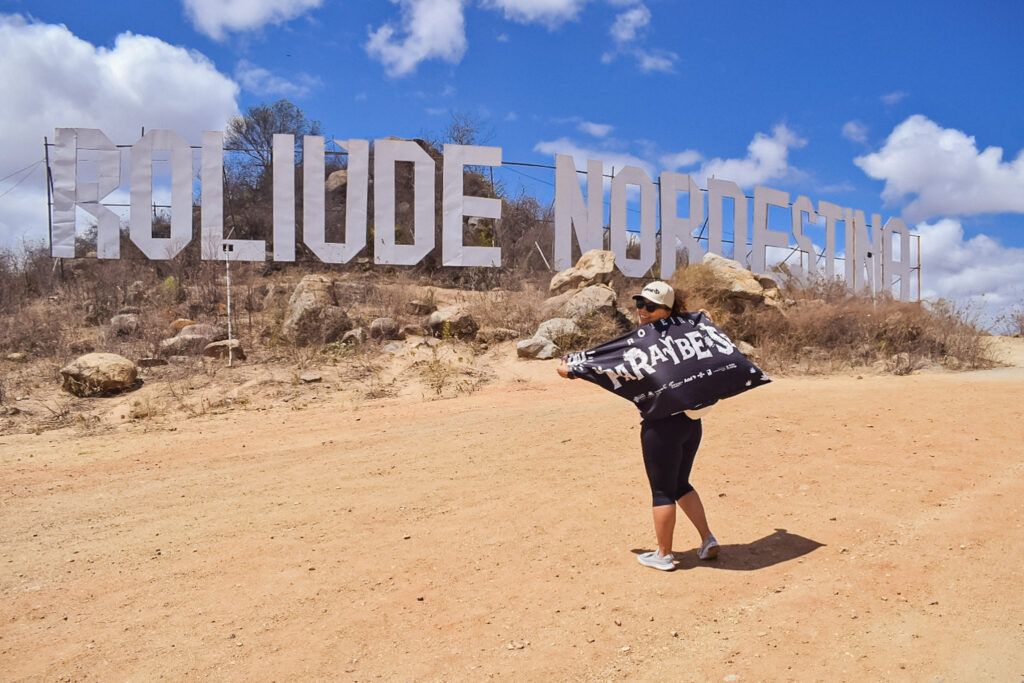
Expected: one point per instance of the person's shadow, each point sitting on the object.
(780, 546)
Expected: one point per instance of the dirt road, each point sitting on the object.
(871, 529)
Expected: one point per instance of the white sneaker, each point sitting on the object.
(709, 549)
(653, 559)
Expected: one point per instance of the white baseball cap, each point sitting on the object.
(658, 292)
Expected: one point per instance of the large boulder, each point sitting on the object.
(98, 373)
(223, 348)
(552, 307)
(538, 348)
(125, 324)
(385, 328)
(191, 340)
(594, 267)
(561, 331)
(735, 281)
(595, 299)
(337, 181)
(313, 315)
(452, 321)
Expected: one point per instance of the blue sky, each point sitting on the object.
(900, 108)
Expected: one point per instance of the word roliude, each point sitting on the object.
(870, 258)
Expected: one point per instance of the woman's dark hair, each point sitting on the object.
(679, 305)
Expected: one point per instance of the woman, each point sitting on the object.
(669, 447)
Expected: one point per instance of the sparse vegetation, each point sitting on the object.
(52, 311)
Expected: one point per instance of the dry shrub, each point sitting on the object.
(1012, 321)
(596, 329)
(858, 331)
(514, 310)
(42, 328)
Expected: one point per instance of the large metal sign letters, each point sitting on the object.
(872, 253)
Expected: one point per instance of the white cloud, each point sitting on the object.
(663, 61)
(979, 271)
(892, 98)
(856, 131)
(551, 13)
(626, 30)
(51, 78)
(431, 29)
(944, 173)
(767, 159)
(216, 17)
(629, 23)
(260, 81)
(598, 130)
(580, 154)
(673, 162)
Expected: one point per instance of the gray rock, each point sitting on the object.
(537, 348)
(219, 349)
(191, 340)
(98, 373)
(125, 324)
(393, 347)
(310, 377)
(337, 181)
(354, 336)
(561, 331)
(384, 328)
(595, 299)
(453, 321)
(493, 335)
(733, 278)
(313, 315)
(594, 267)
(553, 307)
(17, 357)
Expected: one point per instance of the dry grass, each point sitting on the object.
(825, 328)
(55, 314)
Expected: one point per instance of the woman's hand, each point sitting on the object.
(707, 314)
(563, 369)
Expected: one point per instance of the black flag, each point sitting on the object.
(674, 364)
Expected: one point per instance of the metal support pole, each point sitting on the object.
(227, 267)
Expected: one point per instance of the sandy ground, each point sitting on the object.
(871, 529)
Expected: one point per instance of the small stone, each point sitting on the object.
(310, 377)
(675, 634)
(625, 648)
(618, 622)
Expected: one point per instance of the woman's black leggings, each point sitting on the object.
(670, 445)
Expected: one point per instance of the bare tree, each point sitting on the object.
(254, 132)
